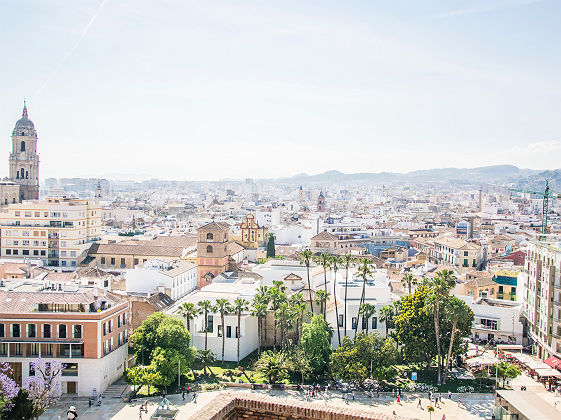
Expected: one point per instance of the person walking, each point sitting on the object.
(449, 395)
(459, 401)
(71, 414)
(398, 400)
(183, 395)
(140, 413)
(419, 404)
(194, 396)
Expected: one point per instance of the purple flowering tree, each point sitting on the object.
(8, 387)
(45, 387)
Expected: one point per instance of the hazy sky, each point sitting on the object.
(208, 89)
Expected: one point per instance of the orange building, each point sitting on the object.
(212, 251)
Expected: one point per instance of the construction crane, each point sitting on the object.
(546, 195)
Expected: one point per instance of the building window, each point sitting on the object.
(340, 323)
(8, 252)
(25, 252)
(220, 331)
(31, 331)
(18, 349)
(112, 261)
(22, 145)
(209, 236)
(374, 323)
(103, 260)
(354, 321)
(209, 249)
(77, 331)
(237, 332)
(15, 331)
(122, 262)
(2, 330)
(46, 330)
(104, 328)
(228, 331)
(35, 349)
(210, 323)
(62, 331)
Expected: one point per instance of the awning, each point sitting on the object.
(554, 362)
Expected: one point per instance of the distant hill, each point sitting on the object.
(497, 174)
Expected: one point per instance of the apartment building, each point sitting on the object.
(83, 327)
(56, 231)
(542, 297)
(457, 252)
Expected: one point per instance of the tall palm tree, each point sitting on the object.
(299, 310)
(325, 261)
(222, 306)
(336, 262)
(259, 310)
(278, 295)
(189, 311)
(263, 296)
(240, 305)
(367, 311)
(348, 260)
(409, 280)
(387, 314)
(205, 307)
(306, 258)
(321, 299)
(365, 272)
(439, 286)
(455, 309)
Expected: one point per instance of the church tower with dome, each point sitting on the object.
(24, 159)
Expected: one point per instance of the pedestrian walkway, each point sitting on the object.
(471, 407)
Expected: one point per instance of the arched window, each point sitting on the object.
(26, 175)
(22, 133)
(22, 148)
(209, 249)
(22, 173)
(210, 236)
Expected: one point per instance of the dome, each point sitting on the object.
(24, 122)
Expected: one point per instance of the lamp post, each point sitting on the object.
(178, 375)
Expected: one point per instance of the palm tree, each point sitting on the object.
(439, 286)
(336, 262)
(205, 307)
(365, 272)
(409, 280)
(240, 305)
(274, 365)
(306, 258)
(206, 358)
(387, 314)
(189, 312)
(321, 299)
(325, 261)
(367, 311)
(299, 310)
(263, 296)
(348, 260)
(259, 310)
(278, 295)
(455, 309)
(222, 306)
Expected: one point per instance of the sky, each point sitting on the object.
(203, 90)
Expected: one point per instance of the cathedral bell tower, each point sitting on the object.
(24, 159)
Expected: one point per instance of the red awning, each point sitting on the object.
(554, 362)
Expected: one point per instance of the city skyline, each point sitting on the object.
(148, 89)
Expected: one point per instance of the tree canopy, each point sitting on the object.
(315, 343)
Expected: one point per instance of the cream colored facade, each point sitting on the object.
(58, 231)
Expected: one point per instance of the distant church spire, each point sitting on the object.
(24, 114)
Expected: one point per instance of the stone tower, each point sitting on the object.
(212, 251)
(24, 160)
(321, 203)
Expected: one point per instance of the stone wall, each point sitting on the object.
(234, 406)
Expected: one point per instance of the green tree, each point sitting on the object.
(455, 310)
(409, 280)
(299, 311)
(336, 263)
(205, 308)
(324, 259)
(21, 407)
(223, 307)
(160, 331)
(189, 311)
(300, 362)
(144, 375)
(321, 299)
(367, 311)
(271, 245)
(316, 344)
(263, 297)
(506, 371)
(306, 258)
(259, 310)
(440, 286)
(169, 362)
(364, 270)
(278, 295)
(347, 262)
(240, 305)
(387, 315)
(273, 365)
(205, 358)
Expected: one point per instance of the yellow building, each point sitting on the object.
(253, 235)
